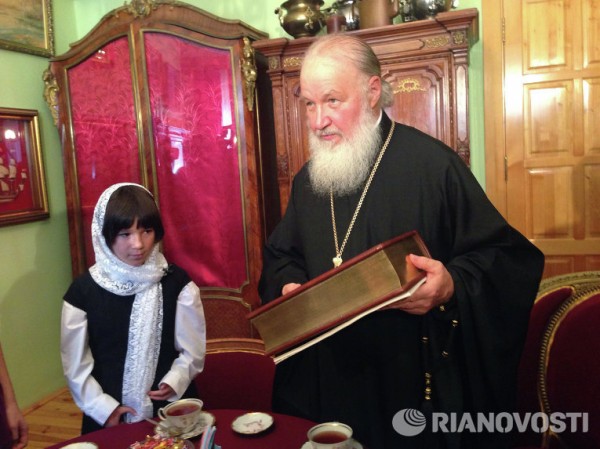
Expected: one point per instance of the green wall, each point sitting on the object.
(34, 257)
(476, 129)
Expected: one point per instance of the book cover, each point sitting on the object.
(324, 305)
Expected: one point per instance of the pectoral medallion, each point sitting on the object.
(337, 261)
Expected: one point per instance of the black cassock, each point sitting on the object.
(377, 367)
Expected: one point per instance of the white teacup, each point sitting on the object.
(330, 435)
(183, 415)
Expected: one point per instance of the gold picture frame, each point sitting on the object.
(27, 26)
(23, 194)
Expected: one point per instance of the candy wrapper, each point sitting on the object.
(158, 442)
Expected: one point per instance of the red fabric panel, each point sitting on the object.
(197, 156)
(527, 397)
(104, 127)
(542, 310)
(574, 369)
(226, 318)
(239, 380)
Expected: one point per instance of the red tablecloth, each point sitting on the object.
(287, 432)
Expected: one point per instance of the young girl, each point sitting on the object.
(133, 330)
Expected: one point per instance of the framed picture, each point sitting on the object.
(26, 26)
(22, 184)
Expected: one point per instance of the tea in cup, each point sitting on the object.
(330, 435)
(182, 415)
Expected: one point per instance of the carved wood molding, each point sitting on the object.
(249, 72)
(408, 85)
(295, 61)
(273, 63)
(51, 91)
(141, 8)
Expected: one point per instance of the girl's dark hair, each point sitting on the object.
(125, 205)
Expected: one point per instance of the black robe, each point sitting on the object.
(371, 370)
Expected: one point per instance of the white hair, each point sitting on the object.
(343, 167)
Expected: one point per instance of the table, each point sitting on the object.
(287, 432)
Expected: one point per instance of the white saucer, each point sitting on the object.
(81, 445)
(355, 445)
(252, 423)
(206, 419)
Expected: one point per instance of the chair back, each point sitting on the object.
(545, 305)
(552, 293)
(237, 375)
(570, 369)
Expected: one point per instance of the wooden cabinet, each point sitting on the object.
(162, 94)
(426, 62)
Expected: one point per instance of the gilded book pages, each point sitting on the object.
(339, 297)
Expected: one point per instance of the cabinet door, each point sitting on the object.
(197, 158)
(298, 130)
(422, 95)
(104, 137)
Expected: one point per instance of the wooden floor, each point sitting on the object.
(53, 420)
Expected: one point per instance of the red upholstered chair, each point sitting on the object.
(545, 305)
(553, 292)
(237, 375)
(570, 362)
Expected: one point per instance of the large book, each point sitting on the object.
(323, 306)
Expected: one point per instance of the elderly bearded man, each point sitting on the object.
(455, 346)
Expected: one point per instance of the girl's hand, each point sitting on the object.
(163, 393)
(115, 417)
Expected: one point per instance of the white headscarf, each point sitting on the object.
(146, 319)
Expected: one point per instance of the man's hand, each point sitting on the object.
(437, 290)
(289, 287)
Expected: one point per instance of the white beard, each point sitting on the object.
(343, 167)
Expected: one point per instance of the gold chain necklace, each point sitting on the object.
(337, 260)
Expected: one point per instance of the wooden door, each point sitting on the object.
(543, 137)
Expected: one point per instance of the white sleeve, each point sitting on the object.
(190, 341)
(78, 363)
